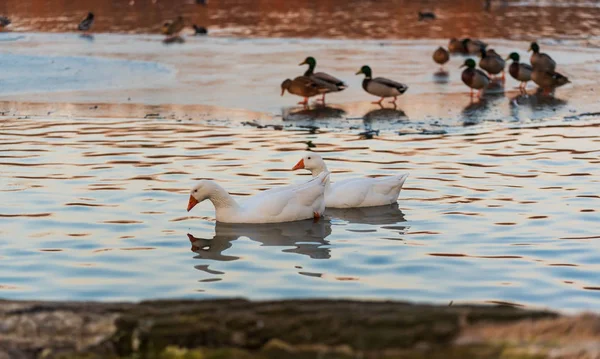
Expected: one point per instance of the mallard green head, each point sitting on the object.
(310, 61)
(482, 53)
(285, 85)
(534, 47)
(470, 63)
(466, 41)
(366, 70)
(514, 56)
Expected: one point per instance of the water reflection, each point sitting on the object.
(380, 215)
(535, 105)
(327, 18)
(308, 238)
(316, 113)
(385, 114)
(87, 37)
(441, 77)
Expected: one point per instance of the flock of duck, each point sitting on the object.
(170, 28)
(299, 201)
(542, 72)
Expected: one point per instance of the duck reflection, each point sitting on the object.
(316, 113)
(385, 114)
(441, 77)
(534, 105)
(380, 215)
(307, 237)
(87, 37)
(475, 112)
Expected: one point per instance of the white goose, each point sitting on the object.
(354, 192)
(284, 204)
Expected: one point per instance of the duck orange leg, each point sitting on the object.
(394, 101)
(323, 99)
(316, 215)
(305, 102)
(378, 102)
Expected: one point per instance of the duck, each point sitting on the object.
(441, 56)
(541, 60)
(302, 86)
(519, 71)
(548, 81)
(86, 24)
(492, 62)
(473, 46)
(327, 82)
(474, 78)
(354, 192)
(199, 30)
(4, 22)
(284, 204)
(426, 15)
(381, 86)
(456, 46)
(172, 28)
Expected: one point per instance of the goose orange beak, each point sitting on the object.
(192, 203)
(299, 165)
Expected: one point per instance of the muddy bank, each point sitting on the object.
(289, 329)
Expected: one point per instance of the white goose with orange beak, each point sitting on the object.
(281, 204)
(354, 192)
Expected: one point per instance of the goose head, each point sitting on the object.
(312, 162)
(200, 192)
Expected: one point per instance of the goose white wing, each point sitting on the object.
(365, 192)
(288, 203)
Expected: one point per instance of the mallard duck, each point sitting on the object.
(492, 62)
(426, 15)
(473, 46)
(326, 81)
(441, 56)
(474, 78)
(199, 30)
(519, 71)
(86, 23)
(171, 28)
(301, 86)
(381, 86)
(4, 22)
(541, 60)
(456, 46)
(548, 81)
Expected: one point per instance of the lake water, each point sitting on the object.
(101, 139)
(95, 209)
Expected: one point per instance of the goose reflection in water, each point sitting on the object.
(316, 113)
(307, 237)
(380, 215)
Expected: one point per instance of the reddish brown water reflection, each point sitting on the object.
(323, 18)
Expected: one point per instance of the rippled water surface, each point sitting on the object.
(95, 209)
(515, 19)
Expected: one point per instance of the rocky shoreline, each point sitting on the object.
(289, 329)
